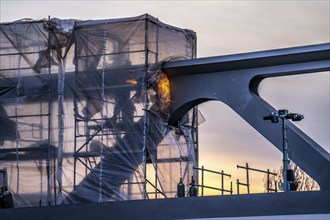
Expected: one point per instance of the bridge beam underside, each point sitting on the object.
(234, 81)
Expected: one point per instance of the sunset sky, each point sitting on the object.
(228, 27)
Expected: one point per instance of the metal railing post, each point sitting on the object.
(202, 180)
(237, 182)
(247, 178)
(222, 185)
(267, 180)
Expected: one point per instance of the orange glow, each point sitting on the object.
(163, 89)
(131, 81)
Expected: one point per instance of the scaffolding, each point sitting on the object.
(222, 178)
(84, 108)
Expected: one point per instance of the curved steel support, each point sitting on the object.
(234, 80)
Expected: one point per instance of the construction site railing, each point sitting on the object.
(222, 174)
(247, 184)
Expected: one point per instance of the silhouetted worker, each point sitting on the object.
(124, 107)
(58, 39)
(6, 199)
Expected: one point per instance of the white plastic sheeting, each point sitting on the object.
(80, 119)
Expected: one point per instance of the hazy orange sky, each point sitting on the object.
(228, 27)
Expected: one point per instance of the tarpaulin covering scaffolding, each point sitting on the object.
(84, 107)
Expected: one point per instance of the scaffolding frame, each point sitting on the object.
(89, 159)
(50, 150)
(71, 136)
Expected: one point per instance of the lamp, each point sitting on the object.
(289, 182)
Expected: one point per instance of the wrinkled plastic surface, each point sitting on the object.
(79, 111)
